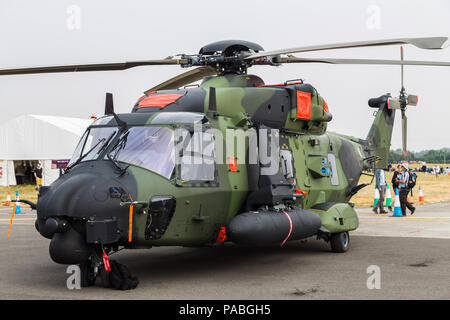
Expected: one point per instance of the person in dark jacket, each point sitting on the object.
(394, 178)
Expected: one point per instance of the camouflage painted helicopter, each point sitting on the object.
(130, 185)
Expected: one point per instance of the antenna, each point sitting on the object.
(109, 109)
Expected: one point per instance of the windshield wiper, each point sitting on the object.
(84, 155)
(120, 144)
(117, 164)
(106, 143)
(90, 150)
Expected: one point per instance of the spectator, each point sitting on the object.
(436, 171)
(394, 178)
(28, 170)
(402, 180)
(380, 184)
(38, 176)
(20, 173)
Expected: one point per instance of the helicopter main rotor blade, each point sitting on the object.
(423, 43)
(184, 79)
(292, 59)
(404, 132)
(93, 67)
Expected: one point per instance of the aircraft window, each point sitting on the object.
(197, 161)
(93, 143)
(148, 147)
(77, 152)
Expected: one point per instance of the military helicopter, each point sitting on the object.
(135, 182)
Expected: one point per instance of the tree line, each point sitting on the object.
(429, 156)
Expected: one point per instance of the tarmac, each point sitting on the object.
(412, 254)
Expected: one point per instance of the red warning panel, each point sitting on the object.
(303, 105)
(159, 100)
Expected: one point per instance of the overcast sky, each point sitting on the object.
(40, 33)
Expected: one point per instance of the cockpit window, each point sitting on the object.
(92, 143)
(148, 147)
(198, 157)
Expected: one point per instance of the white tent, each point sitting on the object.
(37, 137)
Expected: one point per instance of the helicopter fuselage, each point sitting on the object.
(129, 183)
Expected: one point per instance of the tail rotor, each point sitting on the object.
(401, 103)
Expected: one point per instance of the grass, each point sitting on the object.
(434, 189)
(26, 191)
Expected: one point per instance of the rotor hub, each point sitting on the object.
(225, 56)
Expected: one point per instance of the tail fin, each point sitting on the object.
(379, 137)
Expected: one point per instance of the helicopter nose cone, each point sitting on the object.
(91, 190)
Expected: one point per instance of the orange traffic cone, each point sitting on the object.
(421, 199)
(8, 199)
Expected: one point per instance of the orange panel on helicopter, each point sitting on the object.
(303, 105)
(159, 100)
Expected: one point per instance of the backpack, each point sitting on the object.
(412, 180)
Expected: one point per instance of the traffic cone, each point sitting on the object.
(397, 209)
(388, 196)
(421, 199)
(8, 199)
(18, 209)
(376, 197)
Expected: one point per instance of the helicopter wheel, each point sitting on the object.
(88, 275)
(340, 241)
(105, 278)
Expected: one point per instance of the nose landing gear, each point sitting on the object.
(119, 276)
(88, 273)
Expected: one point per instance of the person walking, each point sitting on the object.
(402, 180)
(380, 184)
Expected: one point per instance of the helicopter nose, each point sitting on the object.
(90, 193)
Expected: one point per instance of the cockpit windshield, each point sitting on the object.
(92, 143)
(148, 147)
